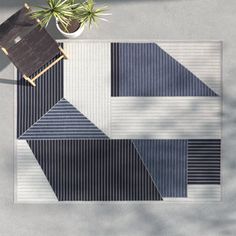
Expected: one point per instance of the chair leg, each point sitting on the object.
(47, 68)
(63, 52)
(29, 9)
(4, 50)
(26, 6)
(29, 80)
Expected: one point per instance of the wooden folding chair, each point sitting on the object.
(28, 45)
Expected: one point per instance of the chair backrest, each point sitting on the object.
(16, 27)
(29, 46)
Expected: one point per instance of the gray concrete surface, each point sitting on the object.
(160, 19)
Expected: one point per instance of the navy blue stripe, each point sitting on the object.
(204, 161)
(94, 170)
(144, 69)
(34, 102)
(114, 69)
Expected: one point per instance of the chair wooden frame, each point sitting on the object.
(62, 56)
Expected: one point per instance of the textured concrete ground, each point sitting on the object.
(157, 19)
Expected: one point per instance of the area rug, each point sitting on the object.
(122, 121)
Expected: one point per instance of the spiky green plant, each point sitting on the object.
(87, 13)
(62, 10)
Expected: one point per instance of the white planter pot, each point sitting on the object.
(73, 35)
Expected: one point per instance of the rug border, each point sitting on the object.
(174, 201)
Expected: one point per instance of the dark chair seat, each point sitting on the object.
(33, 51)
(16, 27)
(28, 45)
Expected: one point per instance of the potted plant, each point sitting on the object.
(70, 16)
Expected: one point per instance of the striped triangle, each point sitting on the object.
(63, 121)
(166, 162)
(31, 177)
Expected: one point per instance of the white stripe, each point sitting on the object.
(199, 193)
(204, 192)
(202, 59)
(87, 81)
(165, 117)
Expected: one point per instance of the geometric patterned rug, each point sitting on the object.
(122, 121)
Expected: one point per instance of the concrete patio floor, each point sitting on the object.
(140, 19)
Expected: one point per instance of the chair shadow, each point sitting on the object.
(8, 81)
(4, 61)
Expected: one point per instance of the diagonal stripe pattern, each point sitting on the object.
(63, 121)
(123, 121)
